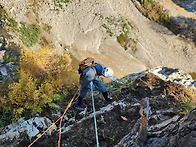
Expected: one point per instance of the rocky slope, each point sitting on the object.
(118, 122)
(91, 28)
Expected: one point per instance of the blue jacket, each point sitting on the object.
(99, 69)
(91, 74)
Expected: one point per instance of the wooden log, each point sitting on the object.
(139, 133)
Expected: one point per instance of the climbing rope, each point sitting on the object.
(60, 118)
(59, 142)
(95, 122)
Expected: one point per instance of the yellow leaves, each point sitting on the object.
(23, 90)
(18, 113)
(45, 61)
(45, 77)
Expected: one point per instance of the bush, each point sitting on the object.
(45, 77)
(155, 12)
(122, 39)
(5, 115)
(127, 42)
(29, 34)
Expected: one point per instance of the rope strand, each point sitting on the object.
(54, 122)
(60, 118)
(95, 122)
(59, 142)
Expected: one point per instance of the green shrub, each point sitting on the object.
(5, 116)
(187, 107)
(29, 34)
(108, 30)
(125, 28)
(11, 55)
(6, 21)
(12, 23)
(4, 83)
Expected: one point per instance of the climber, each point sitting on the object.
(89, 72)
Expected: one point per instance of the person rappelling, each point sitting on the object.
(90, 71)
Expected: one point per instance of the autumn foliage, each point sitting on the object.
(45, 78)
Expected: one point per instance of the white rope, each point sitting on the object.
(95, 122)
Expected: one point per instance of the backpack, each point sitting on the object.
(89, 61)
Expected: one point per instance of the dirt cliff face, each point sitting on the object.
(91, 28)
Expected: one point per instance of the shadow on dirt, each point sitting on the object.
(185, 27)
(189, 5)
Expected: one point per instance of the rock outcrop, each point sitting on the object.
(143, 113)
(177, 131)
(15, 134)
(91, 28)
(7, 69)
(175, 75)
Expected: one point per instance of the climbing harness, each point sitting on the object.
(95, 122)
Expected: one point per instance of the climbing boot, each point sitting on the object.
(105, 95)
(79, 106)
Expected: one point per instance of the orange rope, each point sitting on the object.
(60, 118)
(59, 142)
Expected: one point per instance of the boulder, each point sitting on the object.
(3, 71)
(174, 75)
(28, 129)
(2, 53)
(178, 132)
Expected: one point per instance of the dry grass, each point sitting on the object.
(153, 11)
(193, 75)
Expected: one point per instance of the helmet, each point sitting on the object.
(108, 72)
